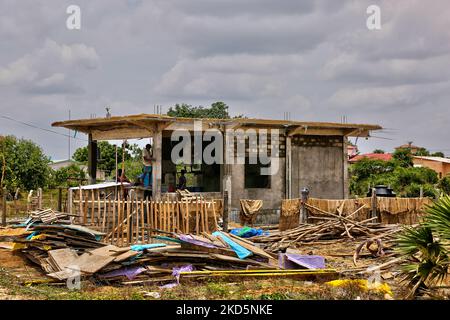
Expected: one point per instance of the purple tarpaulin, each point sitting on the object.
(292, 261)
(129, 272)
(176, 272)
(189, 239)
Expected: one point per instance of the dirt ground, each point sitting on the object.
(19, 279)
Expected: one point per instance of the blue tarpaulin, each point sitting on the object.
(142, 247)
(247, 232)
(241, 252)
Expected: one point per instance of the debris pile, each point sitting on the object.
(48, 216)
(333, 227)
(65, 251)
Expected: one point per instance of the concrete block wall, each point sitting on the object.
(271, 196)
(319, 163)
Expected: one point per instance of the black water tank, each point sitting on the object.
(382, 191)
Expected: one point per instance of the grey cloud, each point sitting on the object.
(316, 60)
(44, 68)
(226, 8)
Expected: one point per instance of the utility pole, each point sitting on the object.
(70, 155)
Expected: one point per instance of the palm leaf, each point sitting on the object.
(438, 217)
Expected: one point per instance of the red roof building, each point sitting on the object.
(375, 156)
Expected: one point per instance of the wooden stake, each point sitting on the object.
(92, 207)
(177, 219)
(168, 216)
(214, 215)
(174, 216)
(115, 205)
(142, 221)
(160, 213)
(196, 217)
(123, 214)
(149, 219)
(104, 215)
(82, 214)
(99, 204)
(188, 216)
(135, 233)
(205, 215)
(86, 204)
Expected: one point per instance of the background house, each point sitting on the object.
(438, 164)
(59, 164)
(374, 156)
(414, 149)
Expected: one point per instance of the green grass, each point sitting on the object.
(270, 289)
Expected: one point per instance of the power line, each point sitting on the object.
(43, 129)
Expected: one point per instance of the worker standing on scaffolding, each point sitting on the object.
(147, 160)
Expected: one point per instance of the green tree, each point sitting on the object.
(422, 175)
(406, 181)
(438, 154)
(367, 172)
(444, 185)
(24, 164)
(217, 110)
(378, 151)
(69, 176)
(133, 169)
(107, 155)
(413, 190)
(422, 152)
(403, 157)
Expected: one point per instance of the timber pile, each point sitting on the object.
(63, 250)
(189, 256)
(40, 240)
(332, 227)
(185, 195)
(48, 216)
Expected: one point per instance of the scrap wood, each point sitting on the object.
(60, 259)
(49, 216)
(251, 247)
(333, 227)
(220, 250)
(382, 266)
(126, 255)
(259, 273)
(92, 263)
(56, 248)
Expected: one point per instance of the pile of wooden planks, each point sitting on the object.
(61, 250)
(49, 216)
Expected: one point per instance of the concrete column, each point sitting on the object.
(345, 182)
(92, 160)
(228, 152)
(288, 159)
(157, 165)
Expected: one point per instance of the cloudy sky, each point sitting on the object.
(314, 59)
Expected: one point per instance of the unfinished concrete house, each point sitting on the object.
(310, 154)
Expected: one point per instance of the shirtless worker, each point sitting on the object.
(147, 159)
